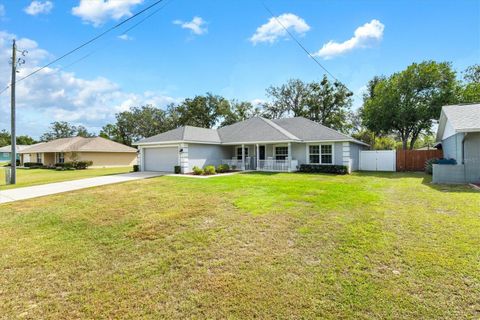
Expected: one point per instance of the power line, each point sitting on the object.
(94, 39)
(302, 46)
(91, 40)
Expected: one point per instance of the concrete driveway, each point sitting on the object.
(59, 187)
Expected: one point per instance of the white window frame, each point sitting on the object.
(275, 151)
(247, 152)
(320, 153)
(6, 154)
(39, 157)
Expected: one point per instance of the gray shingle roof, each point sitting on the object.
(309, 130)
(187, 133)
(79, 144)
(256, 129)
(463, 118)
(253, 130)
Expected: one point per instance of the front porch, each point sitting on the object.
(263, 157)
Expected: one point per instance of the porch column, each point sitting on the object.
(258, 156)
(141, 160)
(289, 157)
(243, 157)
(346, 159)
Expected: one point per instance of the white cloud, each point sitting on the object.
(125, 37)
(53, 94)
(196, 26)
(98, 12)
(364, 36)
(39, 7)
(275, 28)
(258, 102)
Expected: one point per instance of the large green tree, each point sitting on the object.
(407, 102)
(137, 123)
(240, 111)
(470, 88)
(326, 102)
(329, 104)
(63, 129)
(290, 98)
(202, 111)
(5, 139)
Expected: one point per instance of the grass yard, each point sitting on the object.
(31, 177)
(384, 246)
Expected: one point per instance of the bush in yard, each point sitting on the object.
(209, 170)
(80, 165)
(429, 165)
(64, 165)
(177, 169)
(32, 165)
(221, 168)
(136, 168)
(197, 171)
(319, 168)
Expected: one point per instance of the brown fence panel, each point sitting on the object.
(414, 160)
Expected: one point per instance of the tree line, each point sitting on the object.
(397, 110)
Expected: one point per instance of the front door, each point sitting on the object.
(261, 152)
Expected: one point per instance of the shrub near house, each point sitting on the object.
(317, 168)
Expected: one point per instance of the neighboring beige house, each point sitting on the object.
(102, 152)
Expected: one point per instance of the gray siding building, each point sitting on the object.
(254, 144)
(459, 135)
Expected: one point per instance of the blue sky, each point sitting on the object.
(174, 55)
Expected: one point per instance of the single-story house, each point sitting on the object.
(459, 135)
(254, 144)
(102, 152)
(5, 152)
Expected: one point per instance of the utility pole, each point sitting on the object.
(13, 163)
(15, 62)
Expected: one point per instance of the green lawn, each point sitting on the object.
(31, 177)
(364, 246)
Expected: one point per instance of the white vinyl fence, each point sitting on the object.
(378, 160)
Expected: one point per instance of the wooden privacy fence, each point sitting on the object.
(414, 160)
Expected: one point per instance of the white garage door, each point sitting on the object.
(378, 160)
(161, 159)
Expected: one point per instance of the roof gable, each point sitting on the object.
(461, 117)
(310, 130)
(255, 129)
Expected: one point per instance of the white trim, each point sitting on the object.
(336, 140)
(275, 146)
(248, 142)
(160, 146)
(173, 142)
(320, 153)
(346, 156)
(259, 142)
(183, 159)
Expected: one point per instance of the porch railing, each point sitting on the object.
(237, 164)
(277, 165)
(263, 165)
